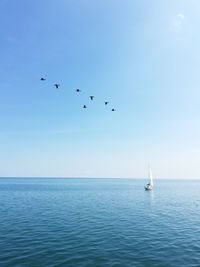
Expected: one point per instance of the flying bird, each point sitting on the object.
(78, 90)
(42, 79)
(84, 106)
(56, 85)
(91, 97)
(106, 103)
(113, 109)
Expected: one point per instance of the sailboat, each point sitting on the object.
(149, 185)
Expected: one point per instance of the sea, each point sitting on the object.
(54, 222)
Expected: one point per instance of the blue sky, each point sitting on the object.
(142, 56)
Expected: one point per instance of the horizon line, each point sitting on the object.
(75, 177)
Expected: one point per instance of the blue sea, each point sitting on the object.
(99, 222)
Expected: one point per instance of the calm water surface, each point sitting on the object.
(99, 222)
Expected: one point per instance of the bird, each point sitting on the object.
(106, 103)
(56, 85)
(91, 97)
(84, 106)
(113, 109)
(78, 90)
(42, 79)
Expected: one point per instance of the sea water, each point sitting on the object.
(99, 222)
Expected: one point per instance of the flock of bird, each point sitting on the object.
(78, 91)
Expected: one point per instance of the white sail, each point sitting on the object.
(150, 177)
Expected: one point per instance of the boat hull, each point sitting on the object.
(148, 187)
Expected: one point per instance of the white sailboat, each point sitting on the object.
(149, 186)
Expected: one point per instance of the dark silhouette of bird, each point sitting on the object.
(42, 79)
(91, 97)
(84, 106)
(113, 109)
(78, 90)
(106, 103)
(56, 85)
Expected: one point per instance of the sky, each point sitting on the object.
(142, 56)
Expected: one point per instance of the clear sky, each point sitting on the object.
(142, 56)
